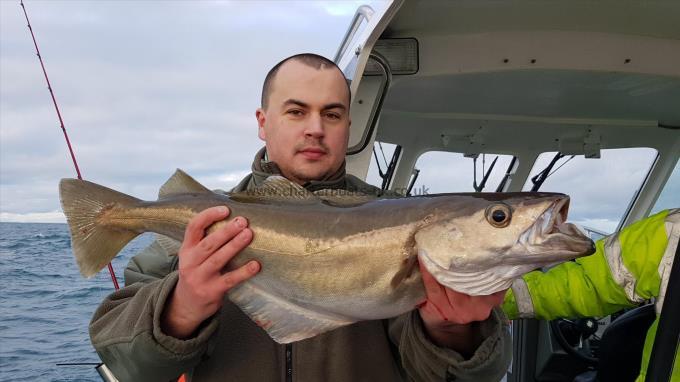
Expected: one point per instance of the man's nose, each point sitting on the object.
(314, 127)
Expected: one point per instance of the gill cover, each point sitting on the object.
(483, 249)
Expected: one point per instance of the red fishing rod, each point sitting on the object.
(61, 121)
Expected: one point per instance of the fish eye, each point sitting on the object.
(499, 215)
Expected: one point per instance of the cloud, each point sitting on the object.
(452, 172)
(33, 217)
(143, 90)
(605, 225)
(223, 181)
(336, 8)
(600, 188)
(146, 89)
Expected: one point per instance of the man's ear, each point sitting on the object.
(261, 118)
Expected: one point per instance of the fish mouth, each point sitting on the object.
(553, 239)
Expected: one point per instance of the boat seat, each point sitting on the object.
(620, 352)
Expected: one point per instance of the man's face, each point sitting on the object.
(306, 123)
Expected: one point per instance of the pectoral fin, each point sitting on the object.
(408, 268)
(170, 245)
(283, 320)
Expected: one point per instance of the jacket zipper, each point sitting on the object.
(289, 362)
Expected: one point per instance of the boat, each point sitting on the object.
(535, 84)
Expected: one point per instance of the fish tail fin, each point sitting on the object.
(94, 243)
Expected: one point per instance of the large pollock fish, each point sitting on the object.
(330, 259)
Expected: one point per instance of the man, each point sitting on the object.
(183, 323)
(627, 269)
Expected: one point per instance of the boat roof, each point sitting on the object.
(519, 78)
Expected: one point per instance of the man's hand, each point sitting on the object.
(449, 316)
(201, 287)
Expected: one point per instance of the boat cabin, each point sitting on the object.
(575, 97)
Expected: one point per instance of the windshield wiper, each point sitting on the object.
(389, 171)
(480, 187)
(508, 172)
(414, 176)
(539, 178)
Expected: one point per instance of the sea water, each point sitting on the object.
(46, 305)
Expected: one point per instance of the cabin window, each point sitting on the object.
(453, 172)
(601, 189)
(670, 195)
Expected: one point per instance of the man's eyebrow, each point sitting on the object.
(295, 102)
(336, 105)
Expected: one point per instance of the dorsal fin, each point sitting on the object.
(276, 189)
(181, 183)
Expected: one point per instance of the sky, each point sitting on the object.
(148, 87)
(144, 88)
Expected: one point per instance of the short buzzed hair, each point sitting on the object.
(309, 59)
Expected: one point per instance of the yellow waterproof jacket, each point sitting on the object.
(627, 269)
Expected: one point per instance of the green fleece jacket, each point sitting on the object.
(126, 332)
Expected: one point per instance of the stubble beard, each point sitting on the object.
(302, 177)
(299, 176)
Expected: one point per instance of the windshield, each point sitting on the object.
(440, 172)
(601, 189)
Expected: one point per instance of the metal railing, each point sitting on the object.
(364, 12)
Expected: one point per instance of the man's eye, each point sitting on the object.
(333, 116)
(295, 112)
